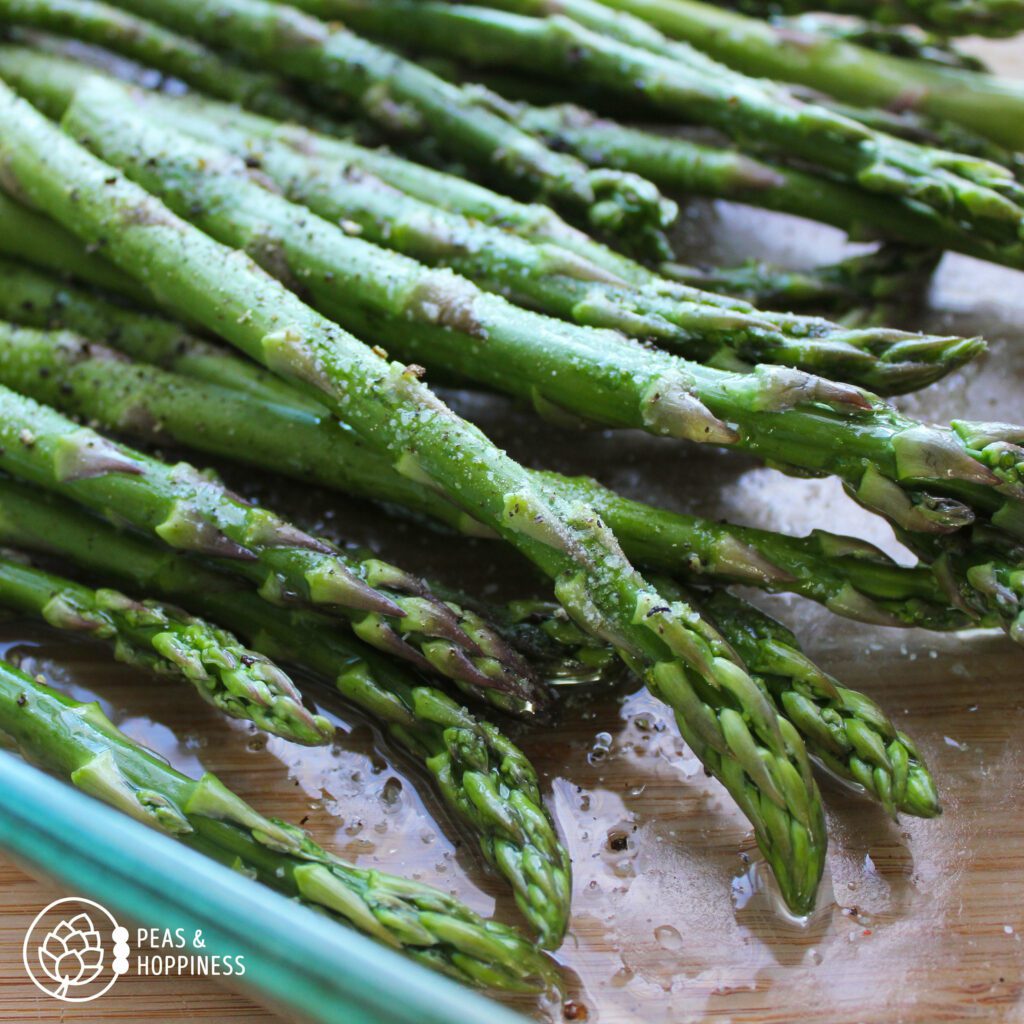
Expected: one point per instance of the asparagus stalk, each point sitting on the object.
(984, 103)
(186, 59)
(719, 710)
(387, 607)
(843, 729)
(624, 56)
(889, 275)
(541, 275)
(403, 98)
(77, 741)
(896, 40)
(557, 282)
(27, 236)
(848, 576)
(682, 166)
(38, 300)
(928, 481)
(486, 781)
(965, 17)
(48, 80)
(934, 131)
(168, 641)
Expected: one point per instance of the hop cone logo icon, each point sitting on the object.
(72, 953)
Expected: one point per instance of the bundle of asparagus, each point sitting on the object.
(141, 228)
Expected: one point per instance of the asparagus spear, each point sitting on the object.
(892, 274)
(555, 281)
(545, 276)
(80, 743)
(49, 79)
(844, 730)
(758, 757)
(28, 236)
(192, 512)
(680, 165)
(848, 576)
(35, 299)
(984, 103)
(403, 98)
(965, 17)
(819, 709)
(486, 782)
(926, 480)
(170, 53)
(624, 56)
(168, 641)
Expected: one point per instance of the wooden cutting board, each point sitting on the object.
(919, 922)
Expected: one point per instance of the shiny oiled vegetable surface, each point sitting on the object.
(921, 920)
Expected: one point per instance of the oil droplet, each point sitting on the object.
(572, 1010)
(391, 795)
(622, 977)
(669, 938)
(599, 751)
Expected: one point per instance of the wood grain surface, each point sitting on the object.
(919, 922)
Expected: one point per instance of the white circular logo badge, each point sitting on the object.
(75, 950)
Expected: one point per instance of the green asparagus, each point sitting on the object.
(38, 300)
(960, 17)
(486, 781)
(168, 641)
(28, 236)
(190, 511)
(627, 58)
(848, 576)
(168, 52)
(555, 281)
(844, 730)
(984, 103)
(80, 743)
(404, 98)
(542, 276)
(49, 80)
(889, 276)
(683, 166)
(719, 710)
(932, 483)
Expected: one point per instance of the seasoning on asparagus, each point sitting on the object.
(720, 711)
(850, 577)
(188, 510)
(933, 484)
